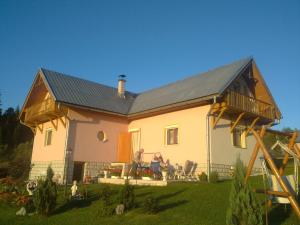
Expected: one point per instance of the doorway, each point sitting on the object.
(78, 171)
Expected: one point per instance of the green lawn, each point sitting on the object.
(180, 203)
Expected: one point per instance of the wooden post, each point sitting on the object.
(237, 121)
(275, 171)
(219, 116)
(254, 155)
(286, 155)
(252, 125)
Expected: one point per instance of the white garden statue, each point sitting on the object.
(74, 188)
(30, 187)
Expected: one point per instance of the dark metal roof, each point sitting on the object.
(79, 92)
(201, 85)
(76, 91)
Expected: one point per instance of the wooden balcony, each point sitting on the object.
(41, 112)
(253, 107)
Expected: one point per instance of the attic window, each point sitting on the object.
(102, 136)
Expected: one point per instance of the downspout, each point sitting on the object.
(66, 146)
(208, 138)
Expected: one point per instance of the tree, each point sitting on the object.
(244, 209)
(46, 194)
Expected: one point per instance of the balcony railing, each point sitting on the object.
(251, 105)
(41, 111)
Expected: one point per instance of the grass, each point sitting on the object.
(180, 203)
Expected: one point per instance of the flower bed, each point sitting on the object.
(147, 174)
(115, 173)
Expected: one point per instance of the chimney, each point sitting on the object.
(121, 86)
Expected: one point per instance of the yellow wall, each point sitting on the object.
(192, 135)
(55, 151)
(84, 126)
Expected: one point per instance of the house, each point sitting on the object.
(81, 126)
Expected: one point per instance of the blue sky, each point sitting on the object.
(152, 42)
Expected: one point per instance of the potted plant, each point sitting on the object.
(115, 173)
(147, 174)
(164, 174)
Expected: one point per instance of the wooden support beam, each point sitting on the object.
(252, 125)
(275, 171)
(53, 123)
(270, 192)
(219, 116)
(64, 122)
(237, 121)
(40, 128)
(286, 155)
(254, 154)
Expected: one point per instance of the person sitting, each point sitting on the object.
(137, 161)
(155, 165)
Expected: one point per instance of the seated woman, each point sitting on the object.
(155, 165)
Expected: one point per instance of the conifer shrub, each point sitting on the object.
(106, 207)
(151, 205)
(214, 177)
(127, 196)
(46, 194)
(244, 208)
(203, 177)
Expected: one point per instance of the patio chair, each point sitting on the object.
(191, 174)
(155, 167)
(178, 172)
(187, 170)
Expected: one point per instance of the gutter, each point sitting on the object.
(208, 137)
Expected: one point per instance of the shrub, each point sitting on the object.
(106, 207)
(243, 206)
(151, 205)
(203, 177)
(214, 177)
(127, 196)
(19, 166)
(46, 194)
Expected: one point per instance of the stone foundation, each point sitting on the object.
(93, 169)
(226, 171)
(39, 170)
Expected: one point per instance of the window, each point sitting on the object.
(48, 137)
(102, 136)
(239, 138)
(171, 136)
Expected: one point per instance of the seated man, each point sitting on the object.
(137, 160)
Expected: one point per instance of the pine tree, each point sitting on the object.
(244, 209)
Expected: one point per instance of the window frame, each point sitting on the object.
(47, 137)
(243, 138)
(171, 127)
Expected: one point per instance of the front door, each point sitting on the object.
(78, 171)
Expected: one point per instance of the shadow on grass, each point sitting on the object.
(72, 204)
(166, 196)
(279, 214)
(171, 205)
(144, 194)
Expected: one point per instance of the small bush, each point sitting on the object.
(105, 193)
(151, 205)
(127, 196)
(214, 177)
(106, 207)
(203, 177)
(46, 194)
